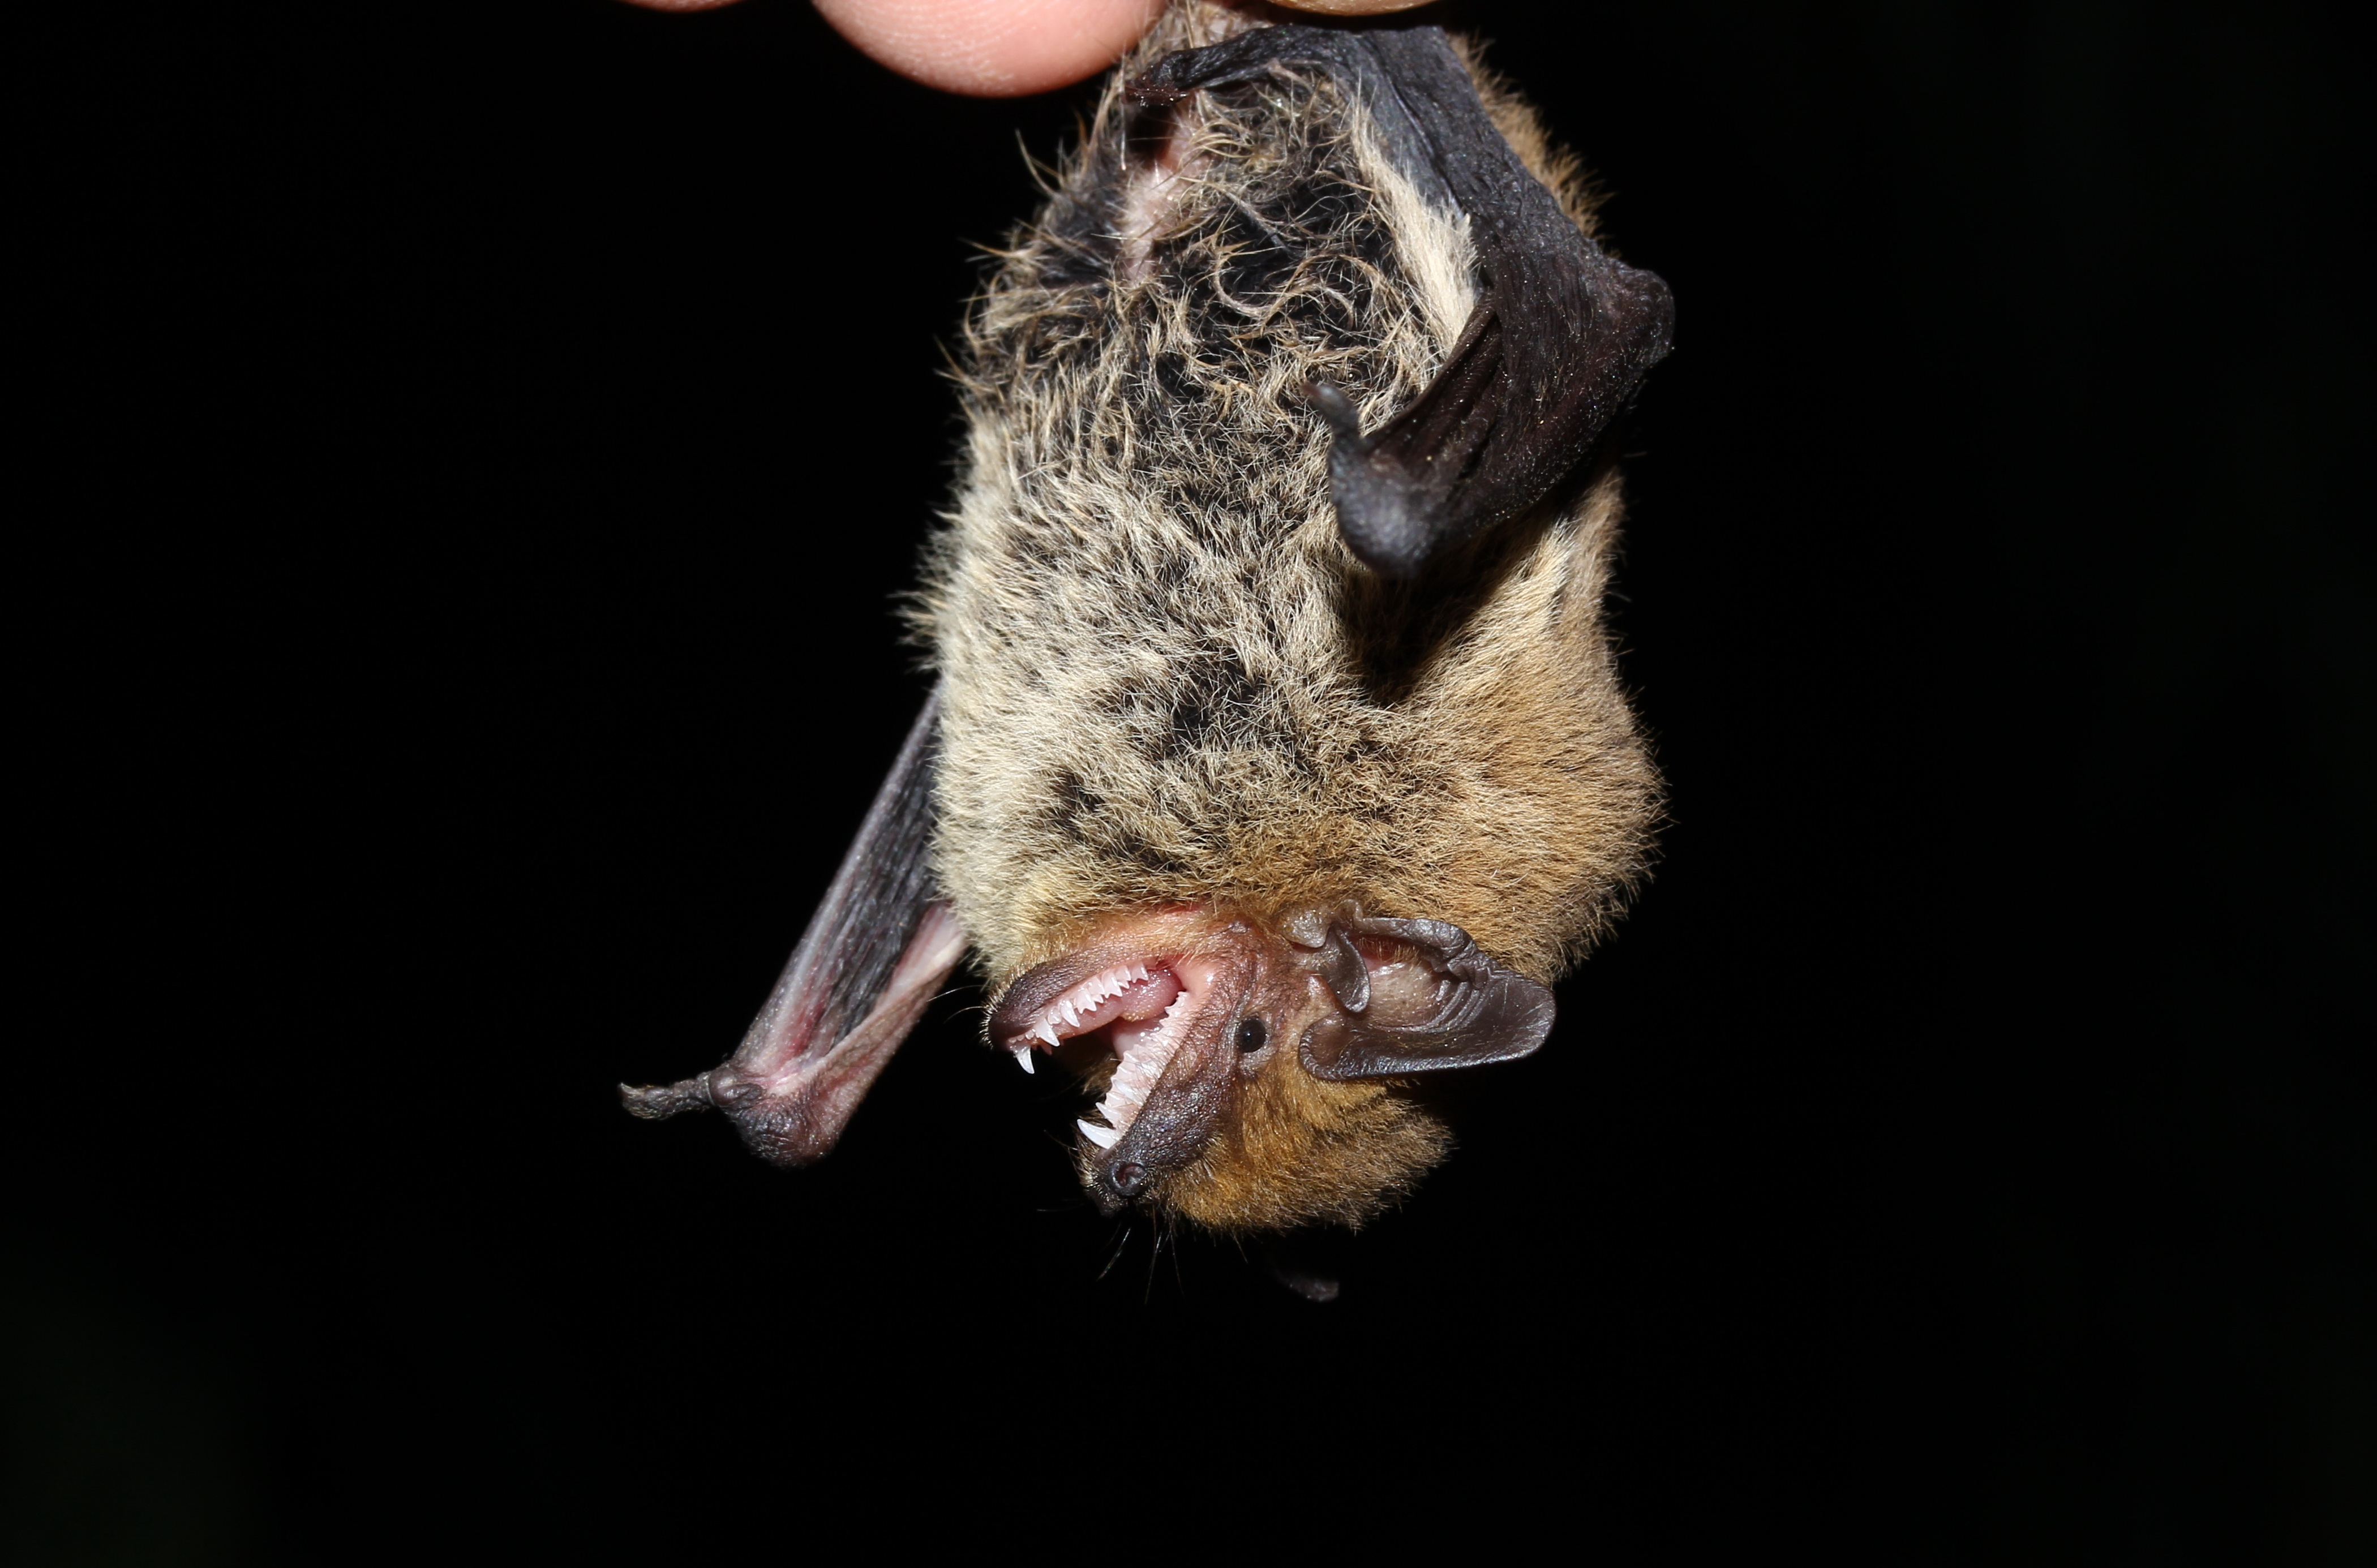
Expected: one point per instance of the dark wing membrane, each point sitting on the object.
(1557, 347)
(874, 953)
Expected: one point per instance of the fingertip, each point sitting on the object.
(993, 48)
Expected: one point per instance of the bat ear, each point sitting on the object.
(1434, 1002)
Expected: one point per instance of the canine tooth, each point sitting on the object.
(1022, 1057)
(1105, 1137)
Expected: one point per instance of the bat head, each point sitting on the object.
(1250, 1072)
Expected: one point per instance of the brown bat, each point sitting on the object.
(1279, 756)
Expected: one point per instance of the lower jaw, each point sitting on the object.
(1126, 1037)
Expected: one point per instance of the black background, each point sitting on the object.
(481, 447)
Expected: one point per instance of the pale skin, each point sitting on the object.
(1005, 48)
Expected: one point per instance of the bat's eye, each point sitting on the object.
(1129, 1178)
(1251, 1034)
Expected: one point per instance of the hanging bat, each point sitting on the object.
(1278, 757)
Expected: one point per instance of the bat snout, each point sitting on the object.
(1137, 1011)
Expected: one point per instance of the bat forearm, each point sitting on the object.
(875, 952)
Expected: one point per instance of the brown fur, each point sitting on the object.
(1302, 1151)
(1167, 681)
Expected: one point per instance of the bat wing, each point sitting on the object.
(875, 952)
(1554, 348)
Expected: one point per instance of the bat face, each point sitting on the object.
(1278, 756)
(1242, 1065)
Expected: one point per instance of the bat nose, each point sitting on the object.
(1129, 1179)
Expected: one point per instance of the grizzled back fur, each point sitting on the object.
(1167, 681)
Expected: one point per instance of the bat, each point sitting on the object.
(1278, 757)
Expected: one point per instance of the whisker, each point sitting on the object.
(1115, 1256)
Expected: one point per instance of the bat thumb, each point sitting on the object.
(658, 1102)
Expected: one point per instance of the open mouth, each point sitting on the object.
(1146, 1009)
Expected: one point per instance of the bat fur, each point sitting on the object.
(1166, 682)
(1278, 756)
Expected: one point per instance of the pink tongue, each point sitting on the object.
(1135, 1006)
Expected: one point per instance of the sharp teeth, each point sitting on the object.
(1065, 1010)
(1105, 1137)
(1022, 1057)
(1047, 1031)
